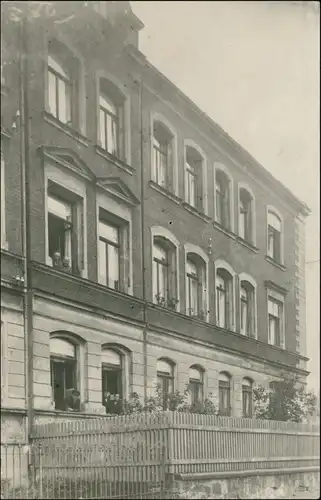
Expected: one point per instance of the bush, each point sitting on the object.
(284, 401)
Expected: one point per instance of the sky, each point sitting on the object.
(253, 67)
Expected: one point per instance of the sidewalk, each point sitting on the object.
(306, 494)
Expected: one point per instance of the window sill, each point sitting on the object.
(113, 159)
(165, 192)
(246, 244)
(225, 231)
(166, 308)
(196, 212)
(66, 129)
(275, 263)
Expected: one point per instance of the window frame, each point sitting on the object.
(4, 362)
(108, 243)
(251, 211)
(223, 172)
(165, 378)
(251, 288)
(60, 75)
(77, 367)
(197, 168)
(124, 235)
(57, 191)
(115, 92)
(247, 393)
(164, 237)
(110, 367)
(201, 260)
(196, 383)
(279, 299)
(224, 387)
(270, 210)
(223, 268)
(172, 166)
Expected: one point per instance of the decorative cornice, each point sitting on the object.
(116, 188)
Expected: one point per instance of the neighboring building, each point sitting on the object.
(157, 249)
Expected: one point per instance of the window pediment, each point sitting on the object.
(69, 159)
(119, 190)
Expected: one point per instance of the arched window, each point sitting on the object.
(59, 90)
(196, 303)
(194, 195)
(165, 379)
(247, 308)
(224, 298)
(246, 215)
(111, 380)
(64, 379)
(115, 361)
(274, 242)
(223, 199)
(224, 387)
(196, 384)
(247, 397)
(111, 118)
(163, 156)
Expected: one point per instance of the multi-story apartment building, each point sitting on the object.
(139, 242)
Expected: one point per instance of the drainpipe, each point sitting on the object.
(142, 177)
(25, 196)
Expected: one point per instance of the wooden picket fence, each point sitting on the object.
(136, 456)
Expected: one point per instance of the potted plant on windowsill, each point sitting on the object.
(160, 300)
(172, 303)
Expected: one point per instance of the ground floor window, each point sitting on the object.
(63, 368)
(112, 381)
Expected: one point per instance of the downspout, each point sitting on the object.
(142, 177)
(25, 196)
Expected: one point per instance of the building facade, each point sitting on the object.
(140, 244)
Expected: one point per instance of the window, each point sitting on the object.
(3, 204)
(224, 298)
(223, 199)
(59, 91)
(247, 307)
(165, 379)
(274, 237)
(224, 388)
(109, 261)
(111, 119)
(113, 251)
(65, 228)
(275, 321)
(160, 274)
(196, 286)
(196, 384)
(63, 367)
(194, 178)
(246, 215)
(164, 271)
(112, 382)
(247, 397)
(162, 158)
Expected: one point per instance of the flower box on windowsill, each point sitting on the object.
(67, 129)
(114, 159)
(162, 190)
(196, 212)
(170, 303)
(275, 263)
